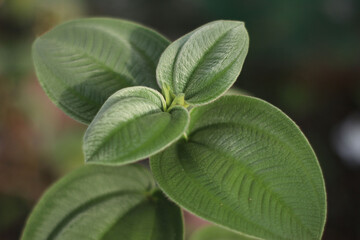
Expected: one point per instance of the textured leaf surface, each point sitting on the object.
(248, 167)
(132, 126)
(81, 63)
(217, 233)
(108, 203)
(204, 63)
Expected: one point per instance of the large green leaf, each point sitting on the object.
(204, 63)
(131, 126)
(81, 63)
(248, 167)
(108, 203)
(217, 233)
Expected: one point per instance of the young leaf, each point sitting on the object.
(218, 233)
(131, 126)
(204, 63)
(107, 203)
(81, 63)
(248, 167)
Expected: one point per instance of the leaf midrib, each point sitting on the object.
(89, 204)
(172, 80)
(118, 128)
(289, 148)
(215, 77)
(205, 54)
(140, 52)
(261, 183)
(71, 89)
(263, 132)
(150, 140)
(128, 44)
(209, 217)
(102, 65)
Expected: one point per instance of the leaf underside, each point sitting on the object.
(132, 126)
(81, 63)
(204, 63)
(107, 203)
(248, 167)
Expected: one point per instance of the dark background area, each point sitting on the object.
(304, 57)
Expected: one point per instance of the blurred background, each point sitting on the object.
(304, 58)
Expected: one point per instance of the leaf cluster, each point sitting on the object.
(234, 160)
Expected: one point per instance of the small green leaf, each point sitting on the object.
(132, 125)
(204, 63)
(248, 167)
(107, 203)
(218, 233)
(81, 63)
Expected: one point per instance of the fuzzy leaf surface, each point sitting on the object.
(132, 126)
(81, 63)
(248, 167)
(204, 63)
(105, 203)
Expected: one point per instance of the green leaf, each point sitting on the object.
(248, 167)
(217, 233)
(131, 126)
(81, 63)
(108, 203)
(204, 63)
